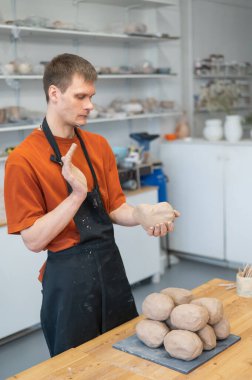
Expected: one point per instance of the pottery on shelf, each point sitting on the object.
(213, 130)
(233, 128)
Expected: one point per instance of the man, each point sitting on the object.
(62, 193)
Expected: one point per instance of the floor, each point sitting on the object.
(31, 349)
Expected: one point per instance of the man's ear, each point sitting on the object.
(53, 93)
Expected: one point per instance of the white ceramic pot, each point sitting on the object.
(213, 130)
(233, 128)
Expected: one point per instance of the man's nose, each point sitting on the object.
(88, 105)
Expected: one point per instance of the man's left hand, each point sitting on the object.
(157, 219)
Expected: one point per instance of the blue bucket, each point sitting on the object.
(159, 179)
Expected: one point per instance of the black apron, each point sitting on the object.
(85, 288)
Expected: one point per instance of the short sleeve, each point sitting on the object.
(116, 195)
(23, 197)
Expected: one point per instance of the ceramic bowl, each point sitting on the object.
(24, 68)
(132, 107)
(9, 68)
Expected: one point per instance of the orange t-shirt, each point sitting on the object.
(34, 185)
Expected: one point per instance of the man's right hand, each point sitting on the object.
(73, 175)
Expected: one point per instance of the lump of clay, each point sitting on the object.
(214, 307)
(151, 333)
(189, 317)
(169, 324)
(183, 344)
(157, 306)
(179, 295)
(150, 215)
(208, 337)
(222, 328)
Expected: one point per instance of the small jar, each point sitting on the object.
(244, 286)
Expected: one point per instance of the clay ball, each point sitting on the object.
(208, 337)
(157, 306)
(151, 333)
(179, 295)
(222, 329)
(169, 324)
(182, 344)
(189, 317)
(214, 307)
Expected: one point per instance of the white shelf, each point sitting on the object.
(17, 128)
(100, 120)
(223, 77)
(131, 3)
(135, 76)
(233, 109)
(135, 117)
(20, 77)
(65, 32)
(101, 76)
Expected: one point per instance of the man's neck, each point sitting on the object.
(58, 128)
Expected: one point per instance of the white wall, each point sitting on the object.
(213, 26)
(222, 28)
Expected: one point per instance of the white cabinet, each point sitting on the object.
(20, 290)
(238, 204)
(195, 188)
(140, 252)
(211, 186)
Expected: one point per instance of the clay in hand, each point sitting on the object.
(150, 215)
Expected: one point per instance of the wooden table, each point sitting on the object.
(97, 359)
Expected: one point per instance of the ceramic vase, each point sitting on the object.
(233, 128)
(213, 130)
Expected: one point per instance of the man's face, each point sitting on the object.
(74, 105)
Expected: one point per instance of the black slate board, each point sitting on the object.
(134, 346)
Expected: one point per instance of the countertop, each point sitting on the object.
(141, 190)
(192, 140)
(97, 359)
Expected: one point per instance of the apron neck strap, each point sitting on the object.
(87, 157)
(50, 138)
(57, 158)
